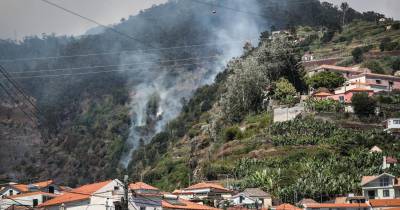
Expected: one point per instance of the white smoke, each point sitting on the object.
(172, 86)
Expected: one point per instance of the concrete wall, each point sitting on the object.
(282, 114)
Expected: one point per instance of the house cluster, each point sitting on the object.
(358, 80)
(381, 192)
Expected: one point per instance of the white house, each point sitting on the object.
(389, 162)
(97, 196)
(144, 197)
(31, 199)
(392, 124)
(44, 186)
(384, 186)
(204, 191)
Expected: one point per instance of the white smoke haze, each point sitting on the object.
(170, 84)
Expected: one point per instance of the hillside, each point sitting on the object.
(228, 133)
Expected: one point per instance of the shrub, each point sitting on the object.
(363, 105)
(357, 54)
(384, 43)
(323, 105)
(374, 65)
(284, 92)
(325, 79)
(345, 62)
(396, 25)
(232, 133)
(396, 64)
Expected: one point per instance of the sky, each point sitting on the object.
(19, 18)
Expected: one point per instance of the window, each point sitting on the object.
(396, 122)
(384, 181)
(386, 193)
(341, 98)
(51, 189)
(378, 81)
(35, 202)
(116, 188)
(142, 208)
(10, 192)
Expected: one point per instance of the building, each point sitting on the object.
(346, 95)
(384, 186)
(174, 203)
(44, 186)
(389, 162)
(381, 204)
(29, 199)
(341, 206)
(376, 82)
(304, 201)
(346, 72)
(97, 196)
(259, 195)
(210, 191)
(392, 125)
(308, 56)
(287, 206)
(375, 149)
(144, 197)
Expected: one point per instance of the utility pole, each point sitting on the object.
(126, 188)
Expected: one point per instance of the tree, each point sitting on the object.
(357, 54)
(384, 43)
(374, 65)
(284, 91)
(344, 7)
(326, 79)
(396, 64)
(363, 105)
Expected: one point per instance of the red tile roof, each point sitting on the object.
(391, 160)
(24, 187)
(186, 205)
(359, 90)
(337, 205)
(287, 206)
(81, 193)
(205, 185)
(384, 202)
(323, 94)
(32, 193)
(141, 186)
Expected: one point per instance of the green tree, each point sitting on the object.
(363, 105)
(357, 54)
(384, 43)
(374, 65)
(325, 79)
(284, 91)
(396, 64)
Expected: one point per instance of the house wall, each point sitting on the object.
(393, 123)
(26, 200)
(338, 208)
(78, 205)
(6, 192)
(376, 186)
(246, 200)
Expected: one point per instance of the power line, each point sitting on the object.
(15, 84)
(130, 69)
(16, 101)
(96, 22)
(115, 65)
(127, 51)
